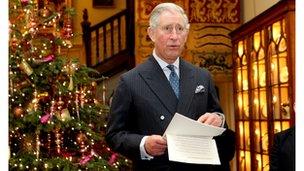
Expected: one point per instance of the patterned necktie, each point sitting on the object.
(174, 80)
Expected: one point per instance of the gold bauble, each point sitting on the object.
(18, 112)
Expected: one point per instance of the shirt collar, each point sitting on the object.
(164, 64)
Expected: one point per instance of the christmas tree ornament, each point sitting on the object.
(58, 140)
(71, 85)
(11, 85)
(103, 93)
(85, 159)
(22, 84)
(65, 115)
(18, 112)
(45, 118)
(48, 58)
(67, 31)
(60, 103)
(24, 2)
(37, 144)
(77, 102)
(35, 101)
(52, 108)
(43, 97)
(25, 67)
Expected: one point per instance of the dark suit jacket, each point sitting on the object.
(144, 104)
(282, 156)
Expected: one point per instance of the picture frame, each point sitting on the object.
(103, 3)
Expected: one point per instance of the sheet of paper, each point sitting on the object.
(190, 141)
(192, 150)
(182, 125)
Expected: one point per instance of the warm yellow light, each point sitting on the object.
(241, 129)
(261, 54)
(248, 161)
(284, 74)
(256, 41)
(276, 31)
(274, 99)
(240, 48)
(277, 127)
(282, 45)
(240, 101)
(259, 161)
(257, 132)
(273, 66)
(245, 85)
(285, 125)
(256, 101)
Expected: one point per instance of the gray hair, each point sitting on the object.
(154, 16)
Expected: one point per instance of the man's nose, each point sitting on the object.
(173, 34)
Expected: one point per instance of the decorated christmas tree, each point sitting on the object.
(55, 119)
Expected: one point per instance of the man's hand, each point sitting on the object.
(211, 119)
(155, 145)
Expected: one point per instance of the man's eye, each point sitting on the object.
(167, 28)
(180, 28)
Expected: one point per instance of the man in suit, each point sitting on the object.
(282, 155)
(149, 95)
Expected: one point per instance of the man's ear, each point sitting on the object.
(151, 33)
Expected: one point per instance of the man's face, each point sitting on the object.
(169, 36)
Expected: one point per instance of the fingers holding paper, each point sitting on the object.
(155, 145)
(210, 119)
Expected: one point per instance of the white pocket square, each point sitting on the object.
(200, 89)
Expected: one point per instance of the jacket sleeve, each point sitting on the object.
(118, 134)
(213, 100)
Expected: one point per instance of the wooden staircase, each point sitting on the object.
(109, 45)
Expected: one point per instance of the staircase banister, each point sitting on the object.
(108, 20)
(110, 52)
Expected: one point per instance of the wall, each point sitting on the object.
(95, 14)
(252, 8)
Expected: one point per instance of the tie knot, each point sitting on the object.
(171, 67)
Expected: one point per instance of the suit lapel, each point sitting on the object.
(187, 87)
(155, 78)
